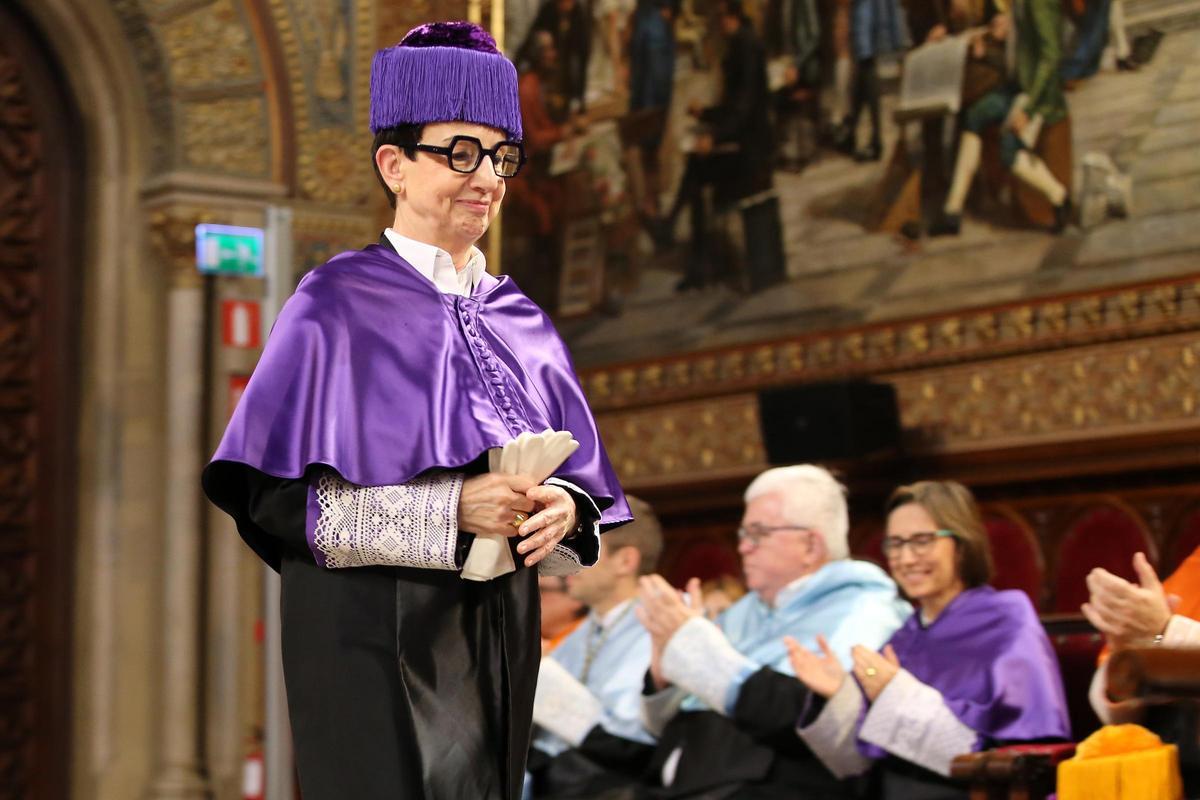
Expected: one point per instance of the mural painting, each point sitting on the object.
(711, 172)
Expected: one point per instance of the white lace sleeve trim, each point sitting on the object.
(700, 659)
(563, 705)
(833, 735)
(561, 561)
(910, 719)
(412, 524)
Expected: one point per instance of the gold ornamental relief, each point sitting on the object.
(207, 46)
(684, 441)
(1099, 390)
(335, 166)
(227, 135)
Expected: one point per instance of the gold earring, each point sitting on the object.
(395, 188)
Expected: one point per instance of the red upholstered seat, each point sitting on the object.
(1016, 556)
(705, 560)
(1103, 536)
(1184, 541)
(869, 547)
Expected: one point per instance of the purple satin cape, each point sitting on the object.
(371, 370)
(989, 656)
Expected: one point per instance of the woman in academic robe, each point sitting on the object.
(971, 670)
(357, 462)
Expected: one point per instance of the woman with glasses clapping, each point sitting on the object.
(972, 669)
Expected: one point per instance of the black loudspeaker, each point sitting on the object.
(828, 421)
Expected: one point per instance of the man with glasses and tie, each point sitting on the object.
(357, 461)
(721, 695)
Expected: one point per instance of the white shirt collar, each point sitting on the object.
(612, 616)
(791, 590)
(436, 264)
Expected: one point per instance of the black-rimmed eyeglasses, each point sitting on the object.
(919, 543)
(465, 153)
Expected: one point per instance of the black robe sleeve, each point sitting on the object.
(770, 705)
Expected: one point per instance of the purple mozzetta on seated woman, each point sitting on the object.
(972, 669)
(356, 461)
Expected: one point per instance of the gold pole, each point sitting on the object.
(495, 230)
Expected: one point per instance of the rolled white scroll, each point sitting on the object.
(534, 455)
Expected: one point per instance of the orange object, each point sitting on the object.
(1121, 762)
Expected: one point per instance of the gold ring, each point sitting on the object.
(518, 518)
(871, 672)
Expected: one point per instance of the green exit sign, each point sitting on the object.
(229, 250)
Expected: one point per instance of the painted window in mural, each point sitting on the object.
(709, 172)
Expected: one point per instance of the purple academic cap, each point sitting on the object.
(445, 72)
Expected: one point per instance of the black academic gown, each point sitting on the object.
(753, 754)
(401, 683)
(602, 767)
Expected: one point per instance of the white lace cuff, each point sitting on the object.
(700, 659)
(833, 735)
(563, 705)
(561, 561)
(412, 524)
(1181, 632)
(910, 719)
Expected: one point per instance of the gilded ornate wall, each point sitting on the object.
(1094, 366)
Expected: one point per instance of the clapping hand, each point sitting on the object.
(1127, 613)
(662, 612)
(821, 673)
(874, 671)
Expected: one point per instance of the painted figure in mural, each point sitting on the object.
(733, 152)
(876, 29)
(569, 23)
(538, 198)
(651, 79)
(972, 669)
(726, 703)
(356, 462)
(608, 66)
(589, 737)
(1031, 101)
(793, 35)
(1098, 23)
(931, 21)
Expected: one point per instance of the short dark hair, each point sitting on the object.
(644, 534)
(953, 508)
(406, 138)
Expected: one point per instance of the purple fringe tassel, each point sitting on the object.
(415, 85)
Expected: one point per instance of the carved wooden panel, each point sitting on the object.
(20, 211)
(34, 397)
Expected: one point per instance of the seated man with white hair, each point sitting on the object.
(723, 700)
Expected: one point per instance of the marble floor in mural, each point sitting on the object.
(1147, 121)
